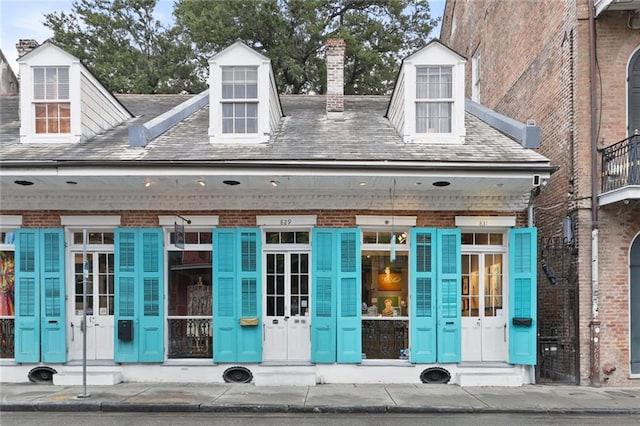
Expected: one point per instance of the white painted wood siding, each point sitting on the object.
(100, 111)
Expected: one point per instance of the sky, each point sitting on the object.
(22, 19)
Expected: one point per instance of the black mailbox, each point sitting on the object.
(524, 322)
(125, 330)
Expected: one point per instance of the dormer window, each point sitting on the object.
(243, 97)
(239, 100)
(52, 105)
(427, 103)
(434, 99)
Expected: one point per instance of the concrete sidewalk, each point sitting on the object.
(418, 398)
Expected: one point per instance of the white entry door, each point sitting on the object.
(99, 302)
(287, 301)
(484, 310)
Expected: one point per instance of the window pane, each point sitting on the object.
(227, 125)
(252, 125)
(239, 92)
(252, 91)
(227, 91)
(239, 125)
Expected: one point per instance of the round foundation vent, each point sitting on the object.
(237, 375)
(435, 375)
(42, 375)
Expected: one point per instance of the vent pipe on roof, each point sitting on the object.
(335, 49)
(25, 46)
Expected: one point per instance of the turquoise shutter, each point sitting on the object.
(125, 293)
(522, 296)
(149, 248)
(449, 346)
(225, 323)
(53, 325)
(349, 296)
(27, 291)
(225, 319)
(250, 290)
(323, 311)
(423, 295)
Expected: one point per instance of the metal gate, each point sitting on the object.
(558, 352)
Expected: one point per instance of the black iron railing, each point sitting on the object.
(621, 164)
(190, 338)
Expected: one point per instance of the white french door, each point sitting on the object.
(484, 310)
(287, 302)
(100, 307)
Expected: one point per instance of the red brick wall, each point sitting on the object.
(247, 218)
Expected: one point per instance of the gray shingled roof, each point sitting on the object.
(306, 135)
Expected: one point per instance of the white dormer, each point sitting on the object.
(61, 101)
(427, 105)
(244, 105)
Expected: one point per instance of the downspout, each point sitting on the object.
(595, 322)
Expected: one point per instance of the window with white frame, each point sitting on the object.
(190, 289)
(434, 99)
(475, 76)
(52, 106)
(239, 100)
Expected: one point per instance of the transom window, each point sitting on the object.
(482, 238)
(434, 99)
(287, 237)
(239, 100)
(51, 100)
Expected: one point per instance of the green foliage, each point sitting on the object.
(131, 52)
(125, 47)
(378, 33)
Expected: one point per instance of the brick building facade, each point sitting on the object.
(535, 63)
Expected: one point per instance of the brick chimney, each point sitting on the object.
(25, 46)
(335, 48)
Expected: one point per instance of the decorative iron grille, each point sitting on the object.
(190, 338)
(558, 354)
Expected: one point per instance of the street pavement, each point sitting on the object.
(323, 398)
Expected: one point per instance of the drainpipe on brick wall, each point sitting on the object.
(595, 322)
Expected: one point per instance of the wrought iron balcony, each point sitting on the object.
(621, 164)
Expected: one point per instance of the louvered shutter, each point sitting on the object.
(53, 325)
(422, 310)
(323, 311)
(225, 323)
(522, 296)
(125, 294)
(151, 303)
(349, 296)
(249, 337)
(448, 295)
(27, 295)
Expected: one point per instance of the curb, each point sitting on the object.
(119, 407)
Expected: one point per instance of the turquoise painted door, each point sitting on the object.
(40, 326)
(249, 278)
(225, 322)
(522, 296)
(139, 295)
(349, 296)
(449, 313)
(27, 296)
(125, 350)
(151, 301)
(53, 325)
(422, 307)
(323, 311)
(236, 295)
